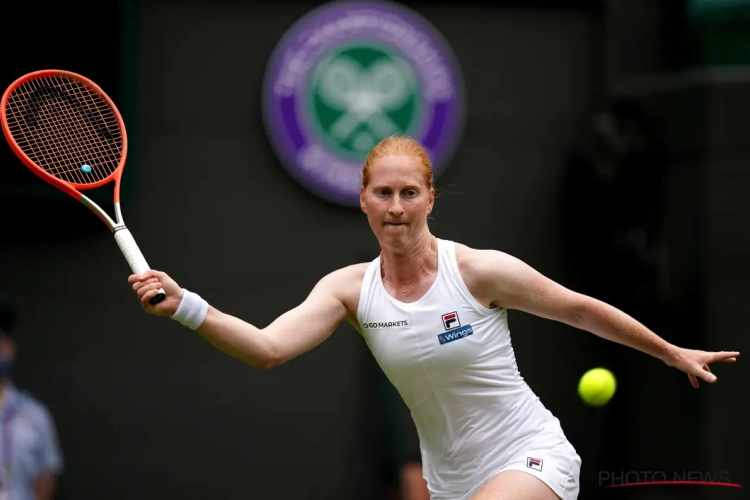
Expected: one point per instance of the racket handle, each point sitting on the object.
(135, 258)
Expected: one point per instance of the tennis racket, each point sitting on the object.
(67, 131)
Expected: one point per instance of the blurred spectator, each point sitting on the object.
(613, 204)
(411, 479)
(403, 446)
(413, 484)
(30, 457)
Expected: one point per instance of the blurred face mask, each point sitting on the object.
(6, 367)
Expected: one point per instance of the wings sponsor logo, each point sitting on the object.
(455, 334)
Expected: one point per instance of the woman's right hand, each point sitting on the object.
(148, 284)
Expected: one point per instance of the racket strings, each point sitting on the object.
(47, 160)
(62, 125)
(56, 118)
(65, 144)
(56, 115)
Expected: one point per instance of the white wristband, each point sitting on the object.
(192, 310)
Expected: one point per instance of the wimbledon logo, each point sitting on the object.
(350, 74)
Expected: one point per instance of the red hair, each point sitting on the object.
(399, 144)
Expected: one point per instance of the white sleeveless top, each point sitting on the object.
(452, 361)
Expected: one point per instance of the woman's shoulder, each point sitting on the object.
(346, 285)
(352, 272)
(348, 280)
(471, 256)
(478, 263)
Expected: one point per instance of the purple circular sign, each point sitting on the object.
(349, 74)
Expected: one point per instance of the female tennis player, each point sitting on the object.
(434, 314)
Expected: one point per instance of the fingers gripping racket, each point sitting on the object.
(67, 131)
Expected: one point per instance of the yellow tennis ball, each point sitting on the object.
(597, 386)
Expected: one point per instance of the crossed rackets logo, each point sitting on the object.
(346, 76)
(361, 101)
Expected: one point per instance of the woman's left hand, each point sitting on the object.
(696, 363)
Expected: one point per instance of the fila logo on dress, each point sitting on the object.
(454, 330)
(534, 463)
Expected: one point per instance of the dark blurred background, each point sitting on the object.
(606, 144)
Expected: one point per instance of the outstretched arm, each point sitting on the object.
(290, 335)
(512, 284)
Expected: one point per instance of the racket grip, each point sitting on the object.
(135, 258)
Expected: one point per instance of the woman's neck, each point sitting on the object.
(404, 267)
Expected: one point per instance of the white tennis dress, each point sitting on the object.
(452, 361)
